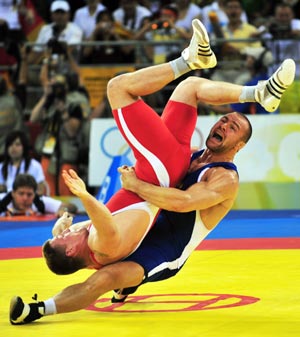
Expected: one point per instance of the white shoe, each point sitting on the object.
(268, 93)
(198, 54)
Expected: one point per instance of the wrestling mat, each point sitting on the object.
(243, 281)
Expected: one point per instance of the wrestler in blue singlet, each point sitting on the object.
(174, 236)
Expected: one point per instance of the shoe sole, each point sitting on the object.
(286, 73)
(12, 306)
(13, 303)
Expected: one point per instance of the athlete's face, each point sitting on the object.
(71, 240)
(227, 133)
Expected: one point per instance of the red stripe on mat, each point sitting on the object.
(222, 244)
(20, 253)
(259, 243)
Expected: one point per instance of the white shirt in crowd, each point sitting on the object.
(9, 13)
(35, 169)
(72, 34)
(85, 21)
(141, 13)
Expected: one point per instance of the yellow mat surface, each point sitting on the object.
(241, 293)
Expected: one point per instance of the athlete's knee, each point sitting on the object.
(186, 91)
(118, 91)
(116, 84)
(193, 82)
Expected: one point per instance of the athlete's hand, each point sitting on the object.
(75, 184)
(128, 177)
(64, 222)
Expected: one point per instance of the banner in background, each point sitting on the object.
(272, 154)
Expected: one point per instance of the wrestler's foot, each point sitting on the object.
(268, 93)
(118, 297)
(198, 55)
(22, 313)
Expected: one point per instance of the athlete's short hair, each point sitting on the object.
(58, 262)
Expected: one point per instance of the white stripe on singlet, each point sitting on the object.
(158, 167)
(198, 235)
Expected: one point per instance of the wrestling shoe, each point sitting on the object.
(198, 55)
(22, 313)
(118, 297)
(268, 93)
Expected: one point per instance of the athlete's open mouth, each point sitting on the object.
(218, 136)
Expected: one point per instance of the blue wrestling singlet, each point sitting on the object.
(173, 237)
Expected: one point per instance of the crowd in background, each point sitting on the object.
(44, 44)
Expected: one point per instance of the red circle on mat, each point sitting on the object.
(173, 303)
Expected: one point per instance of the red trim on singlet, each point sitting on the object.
(99, 266)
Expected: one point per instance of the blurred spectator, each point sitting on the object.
(216, 10)
(9, 52)
(282, 34)
(24, 200)
(52, 71)
(164, 29)
(129, 16)
(11, 114)
(231, 56)
(85, 17)
(60, 30)
(105, 30)
(64, 140)
(295, 4)
(256, 10)
(187, 11)
(17, 159)
(11, 12)
(153, 5)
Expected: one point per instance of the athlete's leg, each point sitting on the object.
(268, 93)
(79, 296)
(194, 89)
(126, 88)
(161, 157)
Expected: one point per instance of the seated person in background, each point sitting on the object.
(215, 11)
(11, 114)
(23, 200)
(164, 29)
(85, 17)
(187, 11)
(59, 30)
(129, 16)
(105, 30)
(17, 160)
(282, 34)
(231, 52)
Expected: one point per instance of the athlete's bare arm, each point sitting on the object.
(102, 219)
(217, 191)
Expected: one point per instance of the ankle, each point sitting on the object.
(179, 67)
(247, 94)
(50, 307)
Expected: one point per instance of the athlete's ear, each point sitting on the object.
(70, 251)
(240, 145)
